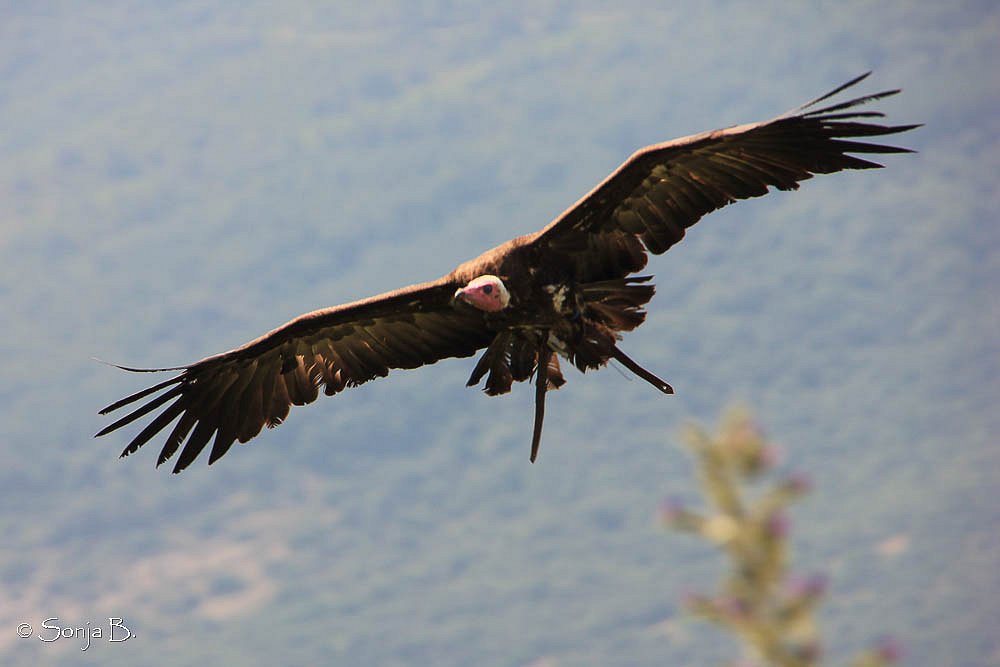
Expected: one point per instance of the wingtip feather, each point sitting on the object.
(844, 86)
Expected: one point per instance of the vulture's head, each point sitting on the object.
(485, 293)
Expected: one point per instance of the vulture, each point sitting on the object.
(566, 292)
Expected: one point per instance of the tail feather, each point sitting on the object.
(618, 304)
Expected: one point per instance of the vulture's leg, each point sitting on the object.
(640, 371)
(541, 385)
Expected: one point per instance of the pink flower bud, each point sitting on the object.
(812, 586)
(770, 456)
(799, 482)
(671, 510)
(889, 650)
(777, 525)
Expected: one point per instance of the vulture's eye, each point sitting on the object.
(488, 289)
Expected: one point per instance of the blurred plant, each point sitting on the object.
(770, 610)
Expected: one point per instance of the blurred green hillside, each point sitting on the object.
(177, 178)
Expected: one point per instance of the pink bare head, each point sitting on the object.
(485, 293)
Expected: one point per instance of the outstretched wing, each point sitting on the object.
(665, 188)
(231, 396)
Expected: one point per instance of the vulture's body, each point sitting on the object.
(566, 291)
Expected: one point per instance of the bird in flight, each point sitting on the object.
(567, 291)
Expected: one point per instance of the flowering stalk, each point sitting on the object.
(770, 610)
